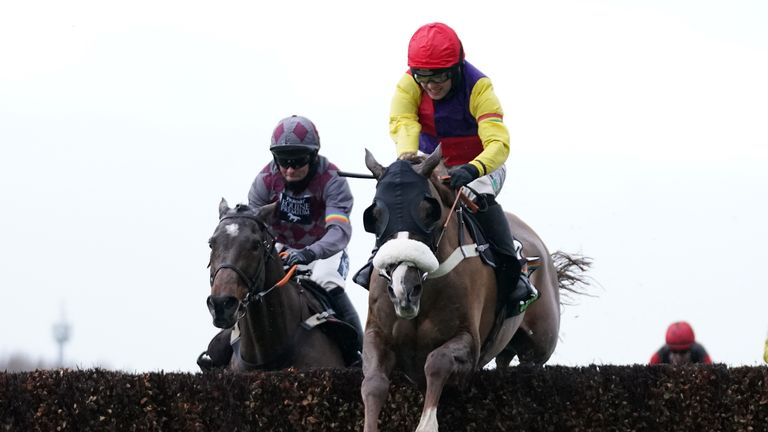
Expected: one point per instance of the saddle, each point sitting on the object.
(484, 248)
(343, 333)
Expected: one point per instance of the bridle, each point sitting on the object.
(252, 283)
(460, 204)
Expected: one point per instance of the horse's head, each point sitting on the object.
(404, 216)
(240, 248)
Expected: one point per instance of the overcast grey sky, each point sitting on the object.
(638, 131)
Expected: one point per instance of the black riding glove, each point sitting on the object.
(303, 256)
(464, 175)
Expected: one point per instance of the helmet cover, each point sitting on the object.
(680, 336)
(434, 46)
(295, 134)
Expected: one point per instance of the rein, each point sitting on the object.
(448, 219)
(464, 200)
(288, 275)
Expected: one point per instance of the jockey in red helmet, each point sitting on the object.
(681, 347)
(443, 99)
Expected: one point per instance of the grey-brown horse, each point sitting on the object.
(279, 322)
(433, 302)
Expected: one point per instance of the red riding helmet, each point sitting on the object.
(434, 46)
(680, 336)
(295, 134)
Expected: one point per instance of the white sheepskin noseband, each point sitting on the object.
(406, 250)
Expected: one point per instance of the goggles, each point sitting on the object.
(426, 76)
(293, 161)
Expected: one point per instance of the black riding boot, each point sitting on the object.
(363, 276)
(346, 312)
(218, 354)
(520, 293)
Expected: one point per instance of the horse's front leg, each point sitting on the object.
(455, 357)
(378, 362)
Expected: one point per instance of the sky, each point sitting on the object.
(639, 139)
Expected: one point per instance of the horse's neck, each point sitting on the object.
(272, 321)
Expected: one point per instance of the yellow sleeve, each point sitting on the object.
(486, 108)
(404, 127)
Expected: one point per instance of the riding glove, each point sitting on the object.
(464, 175)
(303, 256)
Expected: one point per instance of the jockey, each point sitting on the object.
(681, 347)
(312, 221)
(313, 215)
(443, 99)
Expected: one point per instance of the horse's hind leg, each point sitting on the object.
(378, 363)
(529, 349)
(452, 358)
(505, 357)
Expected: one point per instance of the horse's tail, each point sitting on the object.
(572, 272)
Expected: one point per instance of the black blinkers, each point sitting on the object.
(403, 202)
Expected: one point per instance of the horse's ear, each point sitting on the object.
(266, 214)
(376, 169)
(223, 208)
(425, 168)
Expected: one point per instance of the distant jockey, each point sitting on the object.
(681, 347)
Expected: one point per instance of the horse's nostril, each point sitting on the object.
(218, 305)
(230, 303)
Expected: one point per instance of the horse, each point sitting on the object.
(273, 321)
(433, 311)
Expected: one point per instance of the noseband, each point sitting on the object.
(252, 283)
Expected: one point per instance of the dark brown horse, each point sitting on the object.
(433, 302)
(276, 323)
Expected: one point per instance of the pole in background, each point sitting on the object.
(61, 333)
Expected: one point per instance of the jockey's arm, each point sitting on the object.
(338, 230)
(486, 108)
(335, 239)
(404, 126)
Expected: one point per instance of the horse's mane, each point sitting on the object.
(240, 210)
(413, 158)
(243, 208)
(446, 195)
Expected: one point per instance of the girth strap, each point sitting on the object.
(457, 256)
